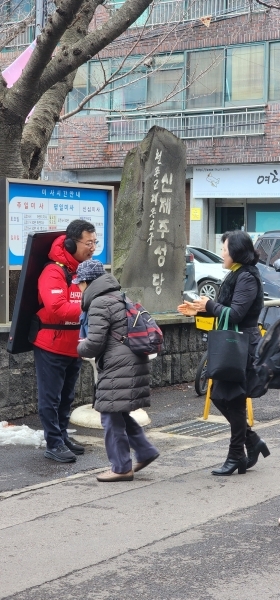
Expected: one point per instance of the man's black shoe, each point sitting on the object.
(60, 454)
(75, 448)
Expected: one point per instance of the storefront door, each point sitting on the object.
(227, 218)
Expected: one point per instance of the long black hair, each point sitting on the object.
(240, 247)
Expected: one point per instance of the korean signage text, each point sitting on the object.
(35, 207)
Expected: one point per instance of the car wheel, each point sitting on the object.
(208, 288)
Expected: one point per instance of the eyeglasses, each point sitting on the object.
(89, 244)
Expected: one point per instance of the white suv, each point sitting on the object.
(209, 271)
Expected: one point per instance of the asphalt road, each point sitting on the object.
(174, 533)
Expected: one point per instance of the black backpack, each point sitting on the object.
(267, 361)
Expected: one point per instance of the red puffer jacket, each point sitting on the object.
(62, 304)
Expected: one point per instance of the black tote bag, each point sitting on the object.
(227, 352)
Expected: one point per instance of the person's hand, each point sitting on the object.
(187, 309)
(200, 305)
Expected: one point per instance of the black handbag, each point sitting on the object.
(227, 351)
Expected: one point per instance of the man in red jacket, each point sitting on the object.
(55, 347)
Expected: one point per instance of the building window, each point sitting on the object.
(245, 74)
(79, 89)
(140, 21)
(228, 218)
(213, 78)
(90, 77)
(13, 10)
(53, 143)
(148, 84)
(205, 73)
(98, 74)
(274, 72)
(130, 91)
(167, 78)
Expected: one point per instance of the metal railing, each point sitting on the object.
(23, 39)
(197, 9)
(173, 11)
(189, 124)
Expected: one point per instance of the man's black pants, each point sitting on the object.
(56, 378)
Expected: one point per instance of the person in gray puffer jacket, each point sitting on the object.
(123, 377)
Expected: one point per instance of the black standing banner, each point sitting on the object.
(26, 304)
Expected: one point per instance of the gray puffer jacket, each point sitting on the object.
(123, 377)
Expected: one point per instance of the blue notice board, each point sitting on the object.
(51, 207)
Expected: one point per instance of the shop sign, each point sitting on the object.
(237, 181)
(195, 214)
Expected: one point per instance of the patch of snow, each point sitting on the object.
(21, 435)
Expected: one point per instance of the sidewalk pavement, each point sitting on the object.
(174, 533)
(23, 466)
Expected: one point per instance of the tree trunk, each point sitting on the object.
(37, 132)
(11, 126)
(48, 77)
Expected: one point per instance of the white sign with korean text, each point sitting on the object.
(237, 181)
(35, 207)
(27, 217)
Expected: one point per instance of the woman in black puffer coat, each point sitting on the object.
(123, 377)
(242, 291)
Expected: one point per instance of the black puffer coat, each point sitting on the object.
(123, 377)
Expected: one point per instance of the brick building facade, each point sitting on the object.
(236, 129)
(227, 55)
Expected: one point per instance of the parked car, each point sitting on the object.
(209, 271)
(268, 246)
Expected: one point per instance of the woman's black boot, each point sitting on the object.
(254, 451)
(232, 465)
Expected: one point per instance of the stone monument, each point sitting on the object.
(150, 224)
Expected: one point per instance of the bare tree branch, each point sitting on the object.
(116, 75)
(35, 138)
(269, 4)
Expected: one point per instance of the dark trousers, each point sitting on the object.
(56, 378)
(241, 434)
(122, 432)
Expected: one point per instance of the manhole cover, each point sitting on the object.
(197, 428)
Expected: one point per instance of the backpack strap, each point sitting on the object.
(59, 327)
(118, 336)
(67, 273)
(114, 334)
(36, 325)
